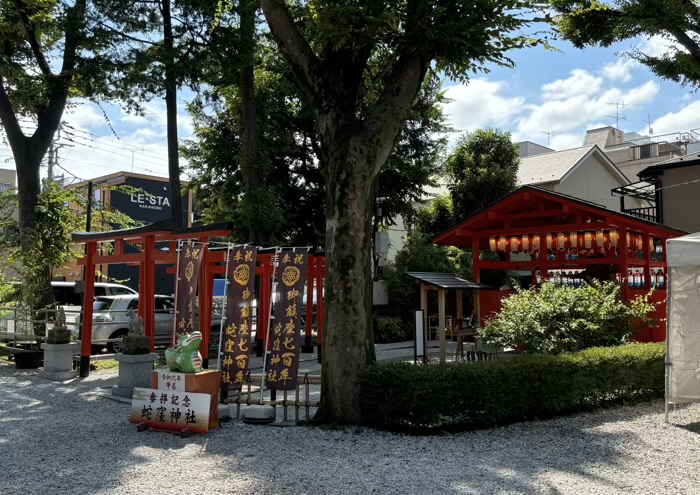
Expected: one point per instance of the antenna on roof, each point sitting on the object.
(649, 122)
(549, 134)
(618, 106)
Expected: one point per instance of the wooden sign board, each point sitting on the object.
(170, 410)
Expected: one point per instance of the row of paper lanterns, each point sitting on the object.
(601, 240)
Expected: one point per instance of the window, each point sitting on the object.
(102, 304)
(134, 304)
(164, 305)
(100, 291)
(120, 291)
(5, 187)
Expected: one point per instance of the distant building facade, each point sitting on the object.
(147, 200)
(632, 152)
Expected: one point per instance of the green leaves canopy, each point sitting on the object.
(482, 169)
(591, 23)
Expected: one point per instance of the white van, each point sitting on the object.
(71, 293)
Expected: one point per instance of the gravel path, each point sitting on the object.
(67, 438)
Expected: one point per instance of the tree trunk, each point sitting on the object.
(28, 158)
(348, 343)
(250, 168)
(171, 116)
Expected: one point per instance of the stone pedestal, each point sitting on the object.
(134, 371)
(58, 361)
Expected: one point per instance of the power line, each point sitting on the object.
(120, 142)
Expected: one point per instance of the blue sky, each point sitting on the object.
(562, 93)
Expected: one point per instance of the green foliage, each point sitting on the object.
(436, 217)
(420, 255)
(291, 163)
(420, 399)
(557, 318)
(595, 23)
(388, 329)
(59, 213)
(482, 169)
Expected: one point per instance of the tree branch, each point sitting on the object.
(687, 42)
(32, 39)
(126, 36)
(299, 55)
(394, 105)
(58, 88)
(9, 118)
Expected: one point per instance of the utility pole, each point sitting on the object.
(53, 152)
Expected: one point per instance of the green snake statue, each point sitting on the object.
(185, 357)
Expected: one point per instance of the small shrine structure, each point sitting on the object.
(562, 239)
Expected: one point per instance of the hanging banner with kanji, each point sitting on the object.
(285, 333)
(236, 339)
(190, 260)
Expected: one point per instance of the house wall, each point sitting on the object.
(592, 181)
(681, 203)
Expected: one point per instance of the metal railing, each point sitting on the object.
(249, 396)
(648, 213)
(17, 325)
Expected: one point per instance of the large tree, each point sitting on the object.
(290, 208)
(482, 168)
(403, 39)
(591, 23)
(50, 51)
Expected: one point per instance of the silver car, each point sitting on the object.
(110, 321)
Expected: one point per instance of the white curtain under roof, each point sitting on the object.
(683, 325)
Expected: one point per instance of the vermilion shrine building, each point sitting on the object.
(554, 236)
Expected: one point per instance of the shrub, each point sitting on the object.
(557, 318)
(419, 399)
(388, 329)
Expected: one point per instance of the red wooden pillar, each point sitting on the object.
(147, 294)
(88, 297)
(206, 286)
(476, 275)
(647, 258)
(310, 277)
(320, 306)
(623, 264)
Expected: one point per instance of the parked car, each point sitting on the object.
(69, 295)
(110, 321)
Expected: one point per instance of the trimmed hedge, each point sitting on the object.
(418, 399)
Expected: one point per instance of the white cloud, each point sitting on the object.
(566, 141)
(84, 116)
(480, 104)
(656, 46)
(620, 70)
(578, 110)
(580, 82)
(686, 119)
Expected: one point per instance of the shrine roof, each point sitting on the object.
(532, 210)
(446, 280)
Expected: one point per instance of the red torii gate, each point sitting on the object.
(104, 248)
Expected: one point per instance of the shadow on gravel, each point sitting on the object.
(84, 444)
(691, 427)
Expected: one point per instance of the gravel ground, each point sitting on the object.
(67, 438)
